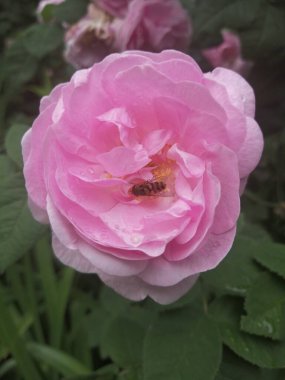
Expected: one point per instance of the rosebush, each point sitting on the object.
(140, 117)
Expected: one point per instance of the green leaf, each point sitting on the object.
(19, 66)
(11, 338)
(18, 230)
(235, 368)
(47, 13)
(263, 352)
(55, 294)
(123, 342)
(93, 376)
(70, 10)
(7, 167)
(58, 360)
(237, 271)
(13, 143)
(130, 374)
(112, 301)
(269, 374)
(108, 308)
(93, 325)
(266, 308)
(40, 40)
(272, 256)
(182, 344)
(107, 372)
(7, 366)
(195, 294)
(250, 230)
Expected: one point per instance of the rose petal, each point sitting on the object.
(137, 290)
(161, 272)
(240, 92)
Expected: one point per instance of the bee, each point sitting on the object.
(160, 185)
(148, 188)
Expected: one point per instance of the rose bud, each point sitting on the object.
(228, 54)
(90, 39)
(137, 165)
(153, 25)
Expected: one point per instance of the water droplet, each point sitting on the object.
(135, 239)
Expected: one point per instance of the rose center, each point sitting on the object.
(156, 178)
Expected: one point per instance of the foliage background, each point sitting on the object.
(58, 324)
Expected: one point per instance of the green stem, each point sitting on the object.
(32, 298)
(15, 343)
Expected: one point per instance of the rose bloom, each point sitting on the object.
(228, 54)
(153, 25)
(115, 26)
(137, 164)
(90, 39)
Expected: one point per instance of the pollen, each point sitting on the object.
(163, 170)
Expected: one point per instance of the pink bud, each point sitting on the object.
(228, 54)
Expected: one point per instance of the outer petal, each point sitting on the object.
(72, 244)
(228, 208)
(250, 153)
(72, 257)
(33, 145)
(135, 289)
(240, 92)
(38, 213)
(161, 272)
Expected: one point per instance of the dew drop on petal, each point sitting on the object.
(135, 239)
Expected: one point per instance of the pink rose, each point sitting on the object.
(137, 164)
(228, 54)
(153, 25)
(115, 26)
(117, 8)
(90, 39)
